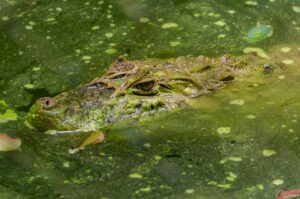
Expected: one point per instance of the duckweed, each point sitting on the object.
(169, 25)
(268, 152)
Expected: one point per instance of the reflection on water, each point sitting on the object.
(241, 142)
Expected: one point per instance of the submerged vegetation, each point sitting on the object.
(241, 142)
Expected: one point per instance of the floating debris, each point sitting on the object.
(169, 25)
(268, 152)
(260, 52)
(223, 130)
(239, 102)
(281, 77)
(288, 194)
(8, 144)
(259, 33)
(94, 138)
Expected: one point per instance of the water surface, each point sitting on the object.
(241, 142)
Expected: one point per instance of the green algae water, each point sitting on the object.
(240, 142)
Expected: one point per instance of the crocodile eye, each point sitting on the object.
(47, 103)
(145, 86)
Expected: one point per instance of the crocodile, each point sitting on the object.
(131, 90)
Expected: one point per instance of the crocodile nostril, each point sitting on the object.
(47, 103)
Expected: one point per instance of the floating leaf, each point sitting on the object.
(259, 33)
(94, 138)
(8, 144)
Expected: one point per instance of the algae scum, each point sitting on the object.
(241, 142)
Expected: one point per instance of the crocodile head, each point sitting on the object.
(134, 90)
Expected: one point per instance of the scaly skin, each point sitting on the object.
(135, 89)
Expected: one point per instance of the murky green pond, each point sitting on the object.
(240, 142)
